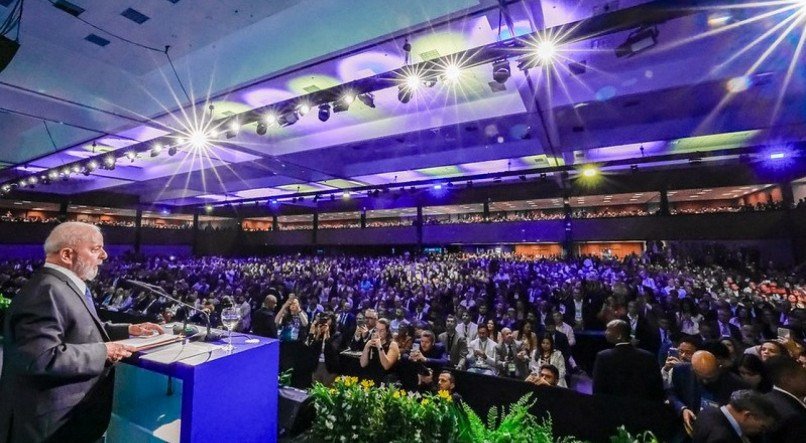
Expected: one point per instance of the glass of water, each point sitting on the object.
(230, 318)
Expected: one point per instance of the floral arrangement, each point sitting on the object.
(354, 410)
(357, 411)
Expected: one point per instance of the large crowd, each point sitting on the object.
(405, 318)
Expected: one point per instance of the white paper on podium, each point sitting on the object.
(179, 351)
(148, 342)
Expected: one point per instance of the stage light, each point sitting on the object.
(274, 201)
(324, 112)
(92, 165)
(131, 155)
(21, 184)
(303, 108)
(33, 180)
(413, 82)
(6, 188)
(638, 41)
(437, 187)
(288, 119)
(172, 150)
(261, 128)
(156, 150)
(345, 195)
(53, 175)
(75, 169)
(452, 73)
(367, 99)
(501, 71)
(198, 140)
(404, 93)
(589, 171)
(233, 129)
(208, 208)
(777, 155)
(270, 118)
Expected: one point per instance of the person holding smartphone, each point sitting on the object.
(380, 353)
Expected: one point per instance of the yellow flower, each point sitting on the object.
(366, 384)
(445, 395)
(332, 391)
(424, 402)
(396, 394)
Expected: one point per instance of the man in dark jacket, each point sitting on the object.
(788, 392)
(263, 319)
(747, 414)
(625, 370)
(58, 376)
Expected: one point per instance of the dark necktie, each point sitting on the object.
(90, 303)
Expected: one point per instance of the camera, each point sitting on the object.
(673, 352)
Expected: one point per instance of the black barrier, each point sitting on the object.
(587, 417)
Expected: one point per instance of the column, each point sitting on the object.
(363, 218)
(664, 202)
(486, 210)
(275, 225)
(568, 238)
(195, 244)
(418, 223)
(138, 231)
(315, 225)
(63, 211)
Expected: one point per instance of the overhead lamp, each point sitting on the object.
(53, 175)
(208, 208)
(404, 93)
(92, 165)
(109, 161)
(131, 155)
(501, 71)
(156, 150)
(6, 188)
(413, 82)
(638, 41)
(367, 99)
(344, 102)
(270, 118)
(173, 150)
(21, 183)
(324, 112)
(75, 169)
(345, 195)
(33, 180)
(261, 128)
(437, 187)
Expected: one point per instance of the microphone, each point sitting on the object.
(208, 335)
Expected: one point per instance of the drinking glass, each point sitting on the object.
(230, 318)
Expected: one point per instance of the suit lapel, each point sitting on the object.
(82, 299)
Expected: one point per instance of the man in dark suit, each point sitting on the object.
(263, 323)
(700, 384)
(455, 346)
(57, 376)
(625, 370)
(788, 392)
(723, 326)
(747, 414)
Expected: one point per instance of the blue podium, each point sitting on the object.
(191, 392)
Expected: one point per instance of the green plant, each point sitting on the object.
(624, 436)
(4, 303)
(284, 379)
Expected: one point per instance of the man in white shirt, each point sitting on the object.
(564, 327)
(467, 329)
(481, 353)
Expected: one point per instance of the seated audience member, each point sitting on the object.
(546, 375)
(481, 353)
(527, 336)
(626, 371)
(787, 396)
(430, 354)
(493, 332)
(748, 413)
(545, 355)
(701, 384)
(511, 358)
(751, 369)
(454, 345)
(467, 329)
(263, 319)
(380, 354)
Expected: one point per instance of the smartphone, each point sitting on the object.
(415, 347)
(784, 333)
(673, 352)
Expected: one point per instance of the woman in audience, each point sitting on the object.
(545, 354)
(771, 348)
(495, 335)
(751, 370)
(380, 354)
(292, 319)
(527, 337)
